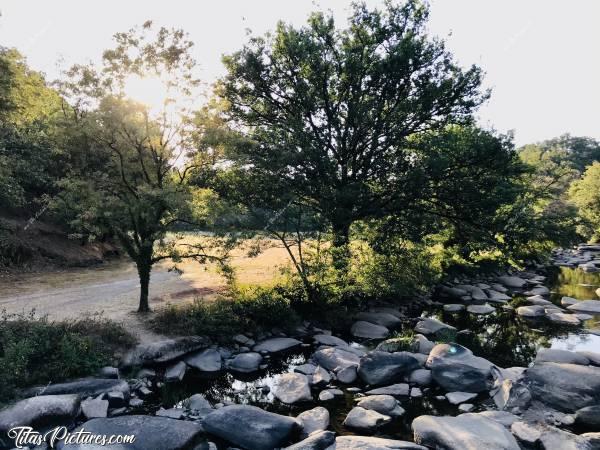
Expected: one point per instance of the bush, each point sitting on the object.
(34, 350)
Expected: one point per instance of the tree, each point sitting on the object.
(327, 114)
(585, 194)
(133, 182)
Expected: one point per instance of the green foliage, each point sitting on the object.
(585, 194)
(34, 350)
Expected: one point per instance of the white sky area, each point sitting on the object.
(541, 57)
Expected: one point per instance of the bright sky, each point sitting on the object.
(540, 56)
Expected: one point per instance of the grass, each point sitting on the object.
(34, 350)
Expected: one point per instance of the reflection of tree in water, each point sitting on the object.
(572, 283)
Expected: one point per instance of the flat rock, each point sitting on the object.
(320, 440)
(52, 409)
(176, 372)
(85, 387)
(512, 282)
(531, 311)
(587, 306)
(480, 309)
(316, 419)
(163, 351)
(151, 432)
(365, 419)
(568, 301)
(291, 388)
(208, 360)
(525, 432)
(457, 398)
(277, 345)
(335, 358)
(453, 307)
(383, 404)
(396, 390)
(245, 362)
(250, 427)
(434, 327)
(326, 339)
(560, 356)
(380, 318)
(377, 368)
(94, 407)
(564, 319)
(497, 297)
(588, 417)
(420, 377)
(555, 439)
(369, 330)
(373, 443)
(504, 418)
(464, 432)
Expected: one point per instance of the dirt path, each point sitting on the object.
(113, 289)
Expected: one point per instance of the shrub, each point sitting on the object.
(34, 350)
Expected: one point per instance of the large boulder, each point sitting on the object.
(277, 345)
(291, 388)
(208, 360)
(566, 387)
(250, 427)
(43, 409)
(464, 432)
(373, 443)
(455, 368)
(335, 358)
(151, 432)
(85, 387)
(245, 362)
(163, 351)
(369, 330)
(377, 368)
(316, 419)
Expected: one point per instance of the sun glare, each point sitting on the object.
(150, 91)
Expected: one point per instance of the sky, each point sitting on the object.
(540, 57)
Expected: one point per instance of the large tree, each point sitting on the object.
(585, 194)
(327, 112)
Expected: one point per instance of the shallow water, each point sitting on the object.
(502, 337)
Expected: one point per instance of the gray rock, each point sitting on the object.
(277, 345)
(512, 395)
(502, 417)
(326, 339)
(365, 420)
(497, 297)
(335, 358)
(397, 390)
(250, 427)
(566, 387)
(525, 432)
(377, 368)
(588, 417)
(560, 356)
(555, 439)
(420, 377)
(568, 301)
(383, 404)
(163, 351)
(456, 369)
(108, 372)
(320, 377)
(480, 309)
(316, 419)
(326, 395)
(380, 318)
(150, 432)
(320, 440)
(245, 362)
(176, 372)
(512, 282)
(394, 345)
(347, 375)
(306, 369)
(436, 328)
(587, 306)
(416, 392)
(369, 330)
(453, 307)
(171, 413)
(208, 360)
(564, 319)
(116, 399)
(466, 407)
(198, 402)
(467, 431)
(540, 290)
(94, 407)
(291, 388)
(373, 443)
(456, 398)
(51, 409)
(422, 345)
(531, 311)
(594, 357)
(86, 387)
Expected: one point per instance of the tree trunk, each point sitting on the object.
(341, 245)
(144, 268)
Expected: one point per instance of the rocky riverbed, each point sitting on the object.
(505, 361)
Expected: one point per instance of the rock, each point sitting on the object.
(335, 359)
(316, 419)
(436, 328)
(94, 407)
(176, 372)
(320, 377)
(453, 292)
(198, 402)
(320, 440)
(325, 396)
(116, 399)
(373, 443)
(245, 362)
(306, 369)
(588, 417)
(480, 309)
(347, 375)
(250, 427)
(377, 368)
(208, 360)
(555, 439)
(531, 311)
(422, 345)
(564, 319)
(512, 395)
(453, 308)
(512, 282)
(277, 345)
(525, 432)
(583, 317)
(540, 290)
(420, 377)
(466, 407)
(457, 398)
(108, 372)
(502, 417)
(171, 413)
(415, 392)
(365, 420)
(456, 369)
(383, 404)
(163, 351)
(380, 318)
(466, 431)
(150, 432)
(291, 388)
(396, 390)
(594, 357)
(47, 409)
(566, 387)
(325, 339)
(560, 356)
(568, 301)
(587, 306)
(369, 330)
(85, 387)
(394, 345)
(539, 300)
(497, 297)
